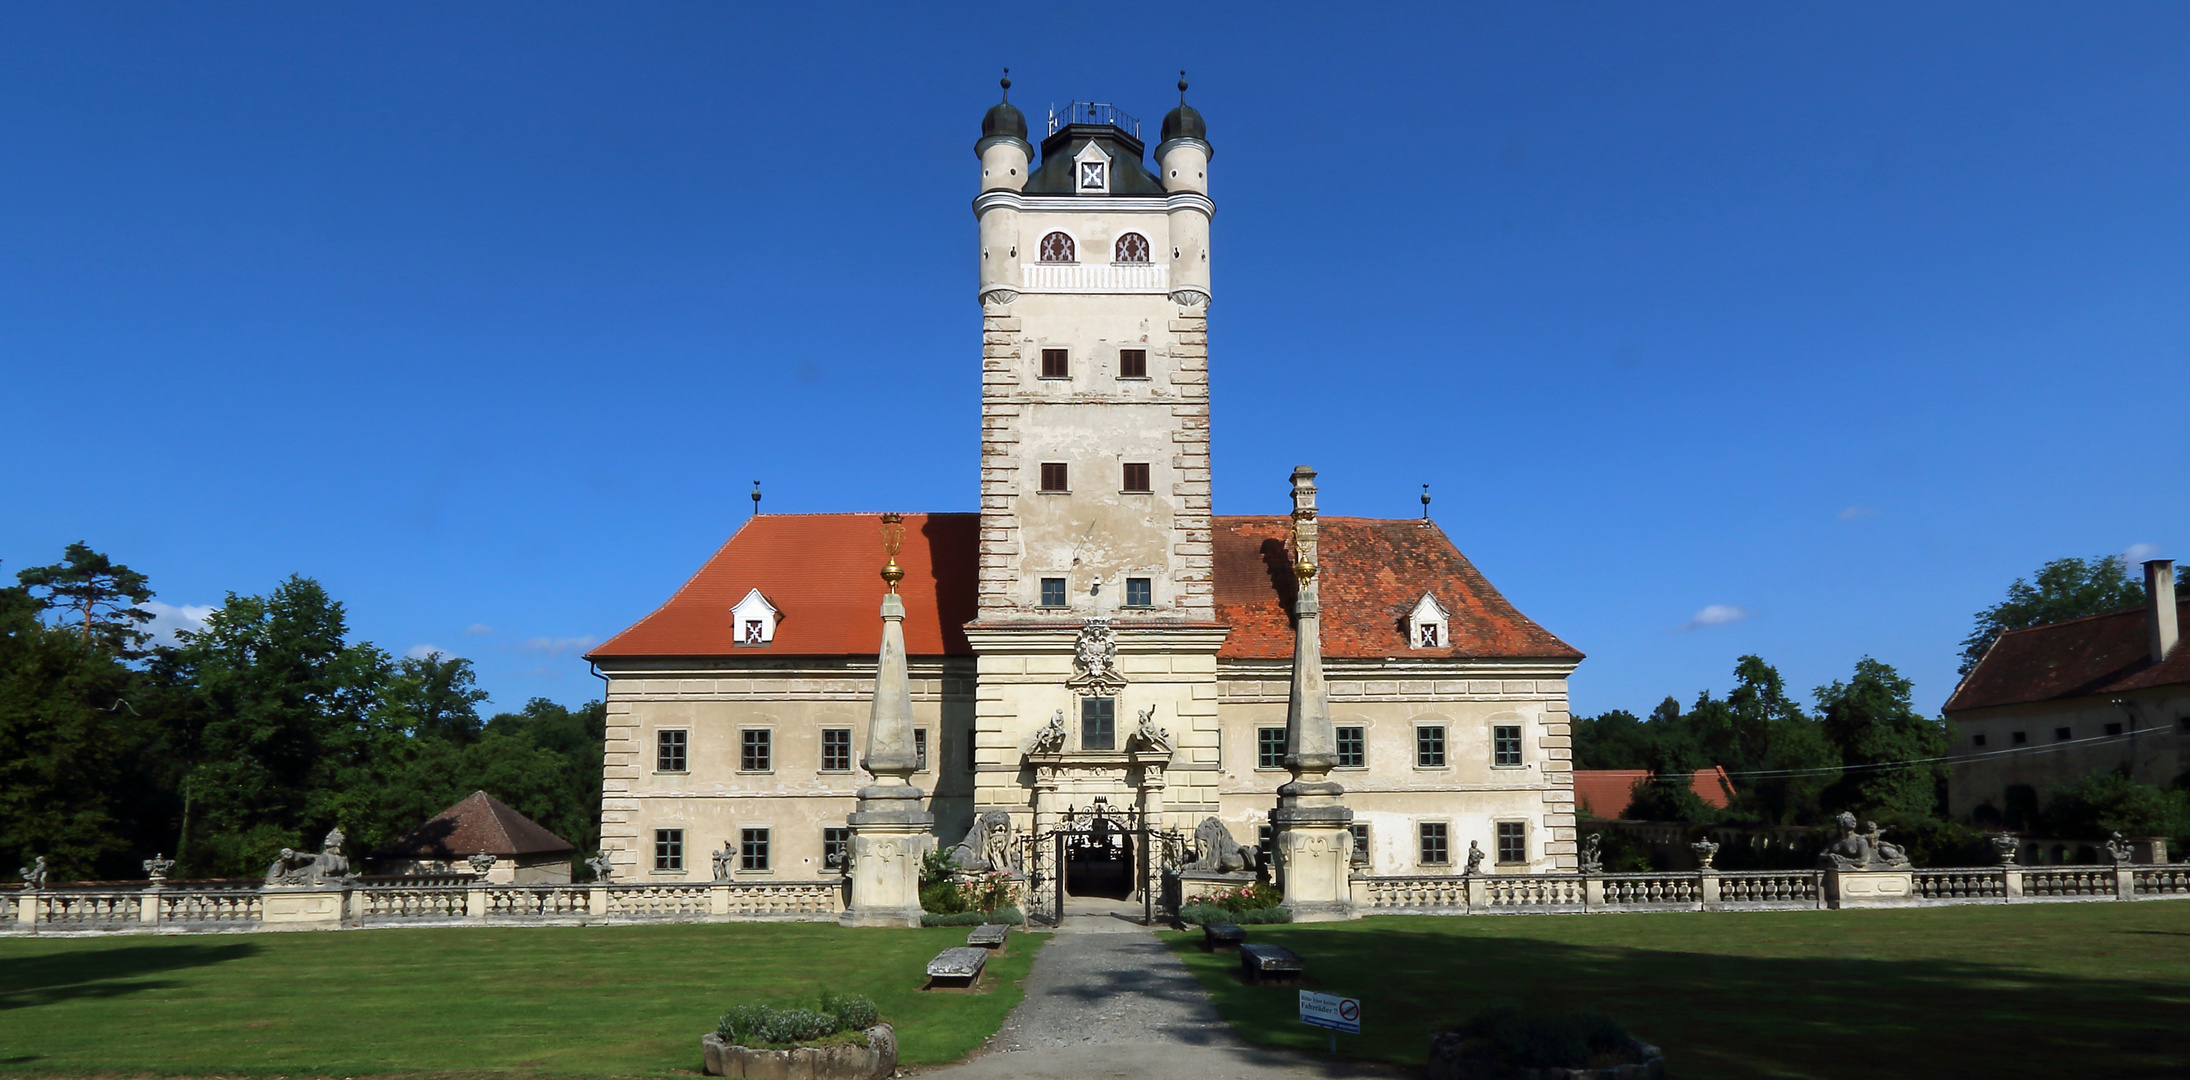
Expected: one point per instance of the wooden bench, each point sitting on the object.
(988, 936)
(956, 968)
(1269, 963)
(1221, 935)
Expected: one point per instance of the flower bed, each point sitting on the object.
(840, 1038)
(1247, 905)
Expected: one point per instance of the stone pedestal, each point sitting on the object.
(1315, 862)
(1870, 888)
(303, 907)
(887, 849)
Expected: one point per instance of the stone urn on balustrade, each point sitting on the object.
(873, 1059)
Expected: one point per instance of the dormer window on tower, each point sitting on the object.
(1057, 248)
(1132, 248)
(1091, 170)
(1429, 626)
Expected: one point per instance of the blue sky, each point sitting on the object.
(1789, 329)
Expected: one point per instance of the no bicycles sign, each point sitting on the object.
(1331, 1011)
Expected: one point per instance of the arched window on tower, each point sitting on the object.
(1132, 248)
(1057, 247)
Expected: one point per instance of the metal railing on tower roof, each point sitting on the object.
(1093, 112)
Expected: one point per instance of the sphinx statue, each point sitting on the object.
(294, 867)
(1860, 849)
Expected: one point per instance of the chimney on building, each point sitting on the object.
(2159, 601)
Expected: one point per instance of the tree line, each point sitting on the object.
(1862, 746)
(259, 731)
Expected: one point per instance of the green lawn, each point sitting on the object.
(617, 1001)
(2059, 990)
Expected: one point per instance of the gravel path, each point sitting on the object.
(1107, 999)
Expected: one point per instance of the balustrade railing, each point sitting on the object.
(1976, 883)
(538, 901)
(1781, 888)
(222, 907)
(657, 901)
(1095, 277)
(1532, 891)
(1417, 893)
(786, 900)
(388, 903)
(103, 910)
(2068, 881)
(1644, 890)
(2170, 880)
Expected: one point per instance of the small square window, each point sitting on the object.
(669, 849)
(752, 849)
(1353, 748)
(1132, 363)
(755, 753)
(1266, 843)
(1140, 592)
(836, 749)
(1436, 843)
(754, 634)
(1429, 747)
(1053, 592)
(669, 751)
(920, 749)
(1098, 723)
(1512, 841)
(1054, 477)
(836, 848)
(1505, 745)
(2060, 734)
(1429, 635)
(1056, 363)
(1977, 740)
(1136, 476)
(2018, 738)
(1270, 748)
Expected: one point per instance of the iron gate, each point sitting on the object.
(1102, 852)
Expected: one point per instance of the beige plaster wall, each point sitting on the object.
(2159, 719)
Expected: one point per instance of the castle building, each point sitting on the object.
(1094, 636)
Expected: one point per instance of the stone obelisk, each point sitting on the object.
(1314, 840)
(892, 830)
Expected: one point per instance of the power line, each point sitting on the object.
(1910, 763)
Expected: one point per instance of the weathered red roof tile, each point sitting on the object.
(2097, 654)
(1605, 793)
(480, 824)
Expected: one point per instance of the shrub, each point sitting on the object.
(1009, 915)
(1239, 901)
(1204, 914)
(1504, 1041)
(757, 1024)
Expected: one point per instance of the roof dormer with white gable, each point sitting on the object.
(1430, 626)
(754, 619)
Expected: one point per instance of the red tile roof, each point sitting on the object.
(823, 573)
(1605, 793)
(1372, 573)
(2097, 654)
(480, 824)
(820, 571)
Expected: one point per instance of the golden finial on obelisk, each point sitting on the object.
(893, 535)
(1304, 566)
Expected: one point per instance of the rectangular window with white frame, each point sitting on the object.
(1353, 747)
(920, 749)
(1436, 843)
(1098, 723)
(1270, 748)
(836, 848)
(669, 750)
(836, 749)
(669, 849)
(1360, 829)
(756, 750)
(1505, 746)
(1429, 746)
(753, 849)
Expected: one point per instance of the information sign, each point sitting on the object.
(1331, 1011)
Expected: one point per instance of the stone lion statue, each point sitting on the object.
(987, 845)
(1215, 850)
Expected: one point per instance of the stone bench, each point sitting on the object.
(956, 968)
(1221, 935)
(989, 936)
(1270, 963)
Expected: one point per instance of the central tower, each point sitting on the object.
(1095, 529)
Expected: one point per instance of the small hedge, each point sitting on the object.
(1205, 914)
(1008, 915)
(778, 1026)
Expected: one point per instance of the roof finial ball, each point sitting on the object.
(1182, 86)
(1006, 81)
(893, 535)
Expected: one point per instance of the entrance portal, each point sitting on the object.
(1099, 860)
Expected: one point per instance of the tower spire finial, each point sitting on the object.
(1425, 503)
(1182, 86)
(756, 498)
(1006, 81)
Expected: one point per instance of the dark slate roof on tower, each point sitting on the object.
(819, 569)
(479, 825)
(2097, 654)
(1080, 124)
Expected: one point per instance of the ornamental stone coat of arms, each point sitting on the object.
(1095, 654)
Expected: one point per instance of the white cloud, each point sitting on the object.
(167, 618)
(561, 646)
(479, 628)
(1854, 512)
(1716, 615)
(2138, 553)
(426, 652)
